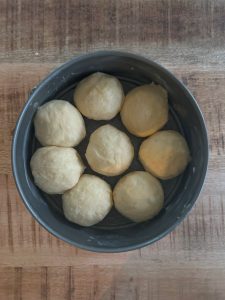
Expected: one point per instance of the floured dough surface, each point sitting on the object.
(138, 196)
(59, 123)
(99, 96)
(109, 151)
(56, 169)
(145, 110)
(165, 154)
(88, 202)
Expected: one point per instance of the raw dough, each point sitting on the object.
(88, 202)
(99, 96)
(109, 151)
(165, 154)
(59, 123)
(138, 196)
(145, 110)
(56, 169)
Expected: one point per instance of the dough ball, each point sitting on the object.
(59, 123)
(165, 154)
(145, 110)
(99, 96)
(138, 196)
(56, 169)
(88, 202)
(109, 151)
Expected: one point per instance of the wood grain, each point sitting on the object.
(187, 37)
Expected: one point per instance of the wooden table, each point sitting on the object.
(187, 37)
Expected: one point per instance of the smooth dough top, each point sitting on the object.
(109, 151)
(99, 96)
(88, 202)
(138, 196)
(165, 154)
(145, 110)
(56, 169)
(59, 123)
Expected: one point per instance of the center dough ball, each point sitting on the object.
(56, 169)
(109, 151)
(145, 110)
(138, 196)
(59, 123)
(99, 96)
(88, 202)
